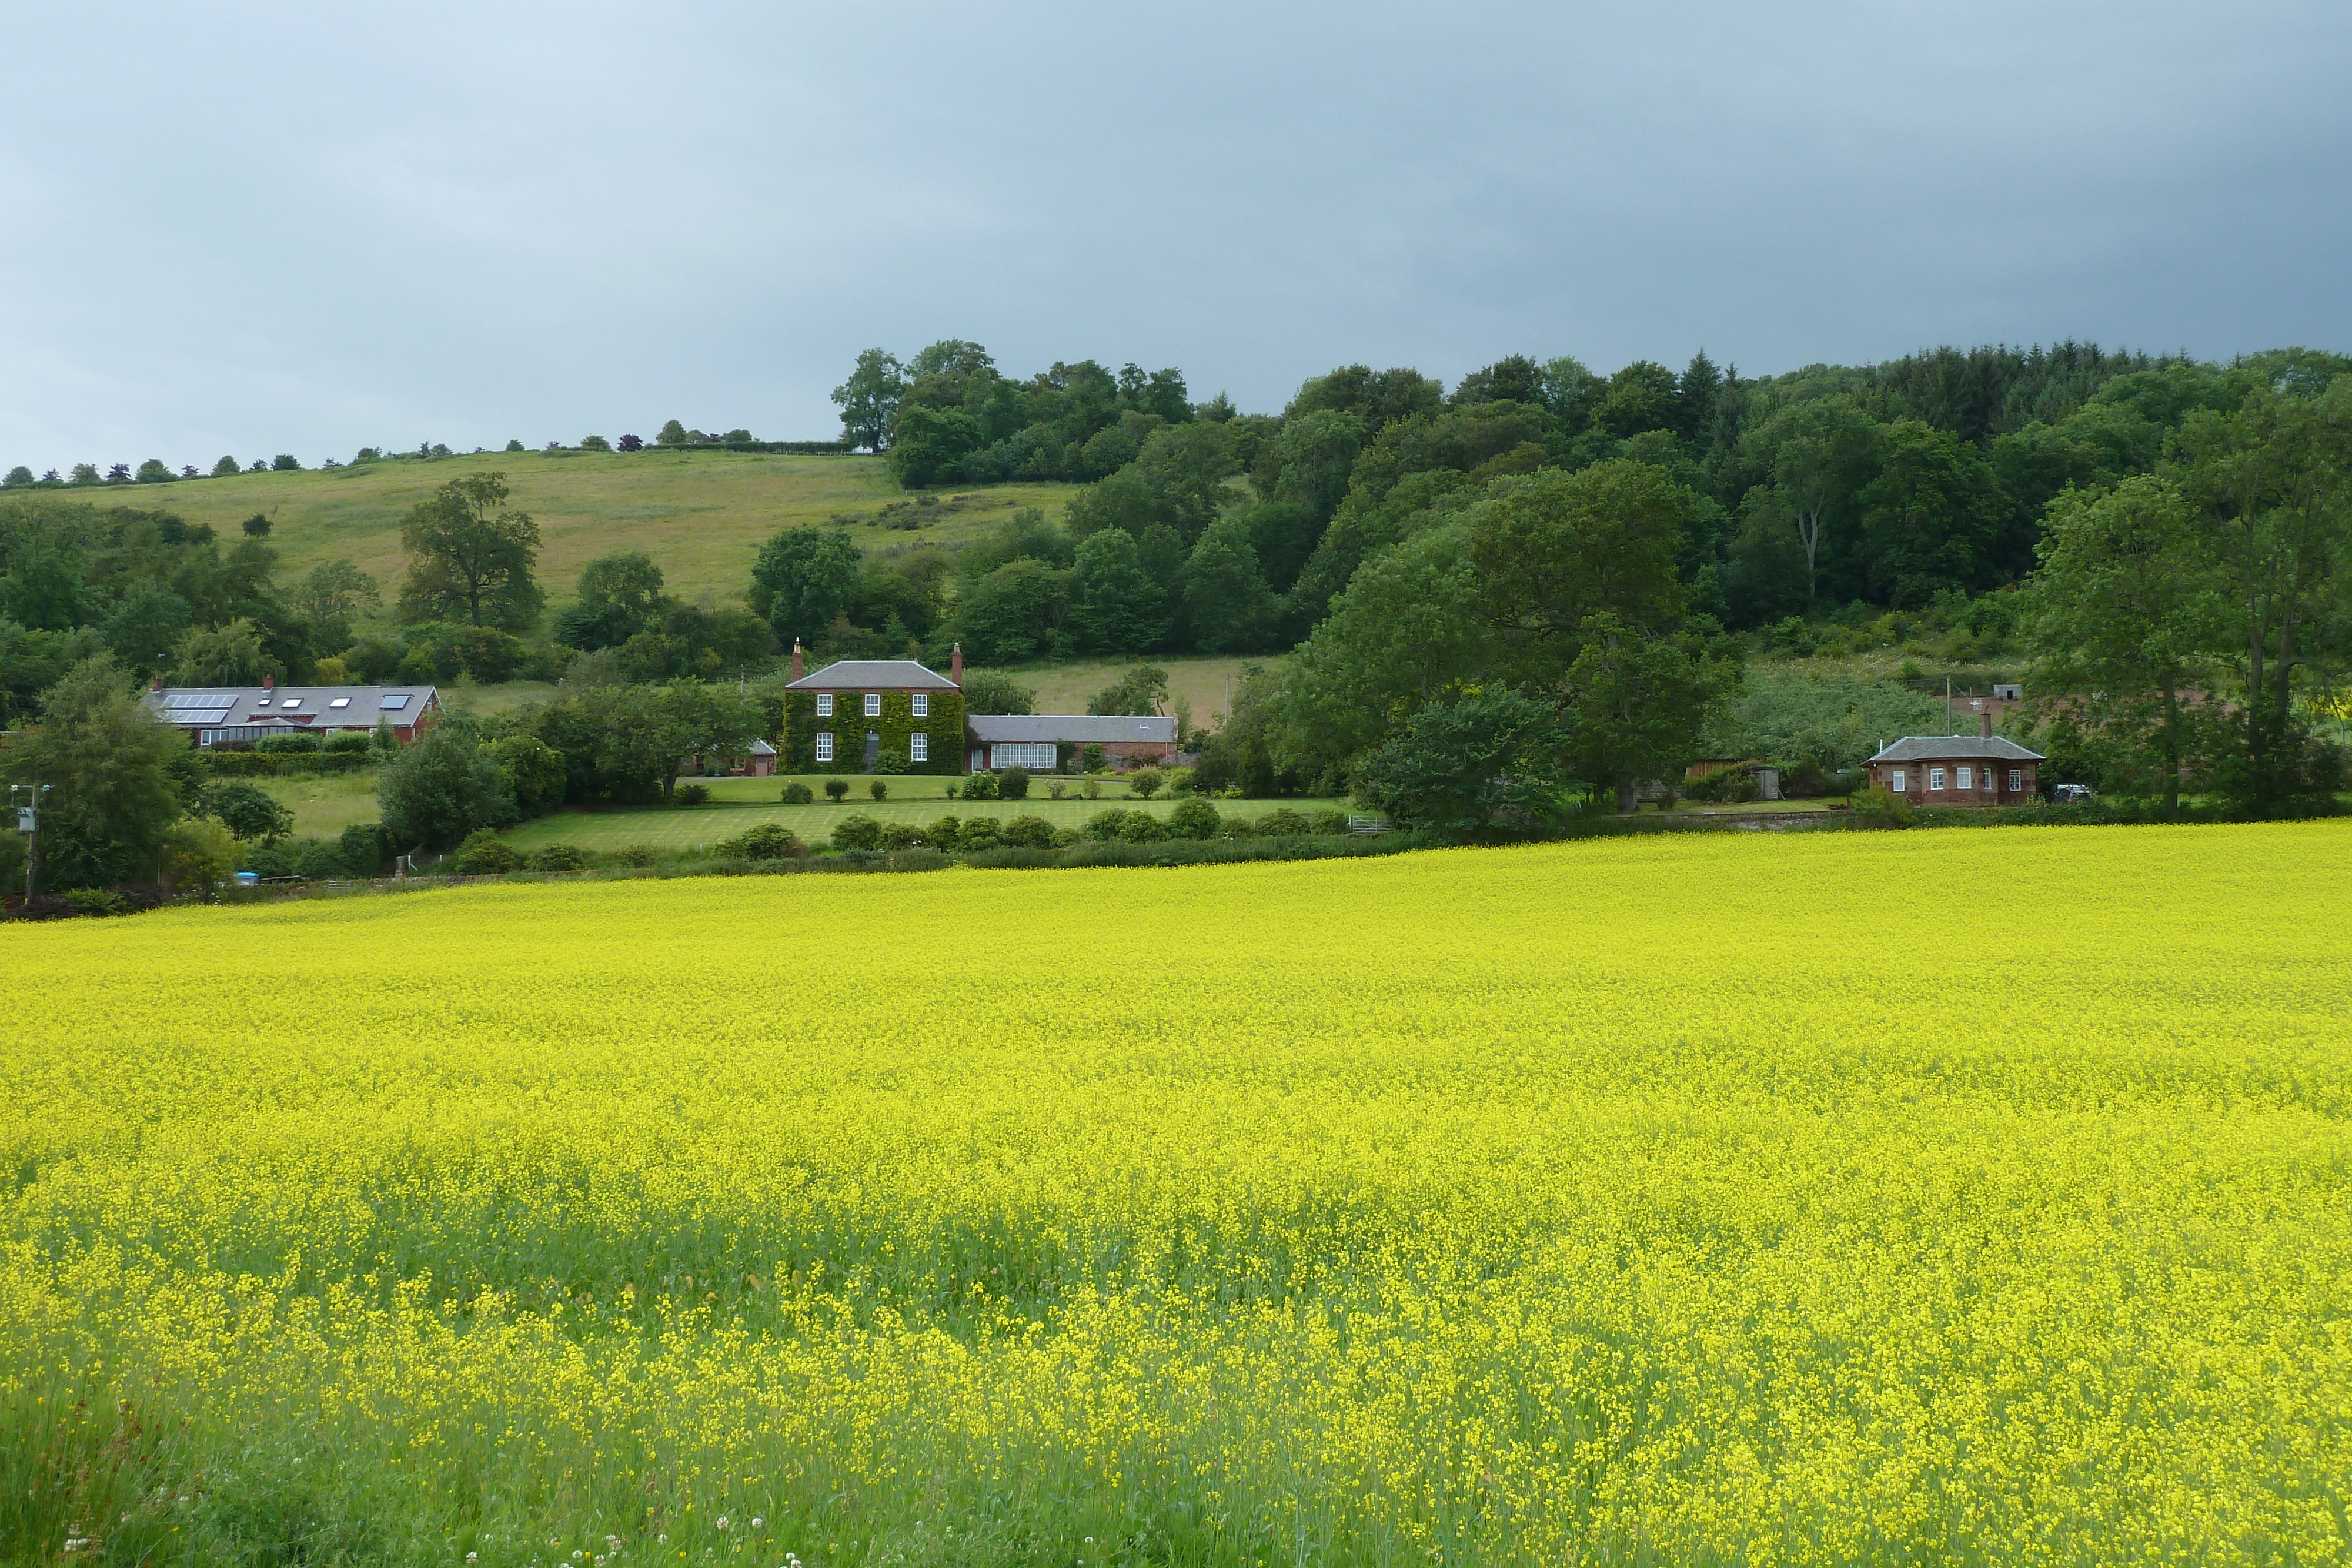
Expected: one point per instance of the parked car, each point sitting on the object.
(2073, 794)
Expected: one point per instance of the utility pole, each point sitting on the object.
(27, 798)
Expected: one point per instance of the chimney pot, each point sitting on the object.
(1985, 723)
(955, 666)
(796, 658)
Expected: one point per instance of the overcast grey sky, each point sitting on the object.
(257, 229)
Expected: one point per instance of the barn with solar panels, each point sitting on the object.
(240, 716)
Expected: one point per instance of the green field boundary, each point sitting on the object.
(699, 827)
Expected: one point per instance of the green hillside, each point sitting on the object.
(700, 516)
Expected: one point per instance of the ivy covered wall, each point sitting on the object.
(849, 727)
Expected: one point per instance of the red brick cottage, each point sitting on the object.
(1980, 769)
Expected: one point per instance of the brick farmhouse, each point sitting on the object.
(1980, 769)
(845, 717)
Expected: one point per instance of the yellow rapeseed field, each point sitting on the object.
(1974, 1196)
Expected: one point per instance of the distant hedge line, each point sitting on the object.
(284, 764)
(789, 448)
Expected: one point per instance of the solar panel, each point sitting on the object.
(200, 699)
(396, 700)
(201, 715)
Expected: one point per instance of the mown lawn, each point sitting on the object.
(323, 807)
(701, 827)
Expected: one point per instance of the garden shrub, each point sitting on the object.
(878, 789)
(797, 794)
(901, 836)
(364, 849)
(1090, 760)
(1103, 826)
(1068, 838)
(1328, 821)
(1056, 788)
(279, 745)
(1237, 827)
(484, 854)
(768, 841)
(1180, 781)
(835, 789)
(693, 795)
(1013, 784)
(980, 834)
(1145, 782)
(638, 855)
(980, 787)
(1880, 807)
(198, 854)
(96, 901)
(942, 832)
(893, 761)
(347, 741)
(1091, 789)
(320, 860)
(559, 857)
(857, 831)
(1029, 833)
(1141, 828)
(1193, 818)
(1281, 823)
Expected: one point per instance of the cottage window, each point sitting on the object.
(919, 747)
(1935, 778)
(1968, 779)
(824, 746)
(1897, 786)
(923, 701)
(2016, 779)
(1038, 757)
(873, 705)
(824, 704)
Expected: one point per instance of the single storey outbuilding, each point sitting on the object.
(1056, 743)
(1980, 769)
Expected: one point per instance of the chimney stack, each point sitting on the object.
(796, 658)
(158, 684)
(1985, 723)
(270, 682)
(955, 666)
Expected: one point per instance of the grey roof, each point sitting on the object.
(873, 676)
(761, 749)
(209, 708)
(1080, 729)
(1937, 747)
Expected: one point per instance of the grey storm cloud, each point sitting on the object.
(254, 229)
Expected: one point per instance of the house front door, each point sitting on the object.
(873, 749)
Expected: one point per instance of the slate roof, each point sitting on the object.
(873, 676)
(1962, 747)
(312, 707)
(1078, 728)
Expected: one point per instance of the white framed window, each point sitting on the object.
(824, 704)
(1968, 779)
(1897, 785)
(824, 746)
(873, 705)
(923, 701)
(1038, 756)
(2016, 779)
(919, 746)
(1935, 778)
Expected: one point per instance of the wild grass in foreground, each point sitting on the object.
(1850, 1198)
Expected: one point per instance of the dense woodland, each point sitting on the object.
(1539, 586)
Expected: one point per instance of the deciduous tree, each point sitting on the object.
(471, 557)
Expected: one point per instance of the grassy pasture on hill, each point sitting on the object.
(700, 516)
(1572, 1203)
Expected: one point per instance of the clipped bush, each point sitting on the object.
(1181, 781)
(1091, 789)
(893, 761)
(942, 831)
(980, 787)
(280, 745)
(768, 841)
(1056, 788)
(980, 834)
(878, 789)
(560, 857)
(835, 789)
(1068, 838)
(347, 741)
(857, 831)
(1104, 827)
(1281, 823)
(797, 794)
(1029, 833)
(693, 795)
(484, 854)
(1013, 784)
(1145, 782)
(901, 836)
(1193, 818)
(1142, 828)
